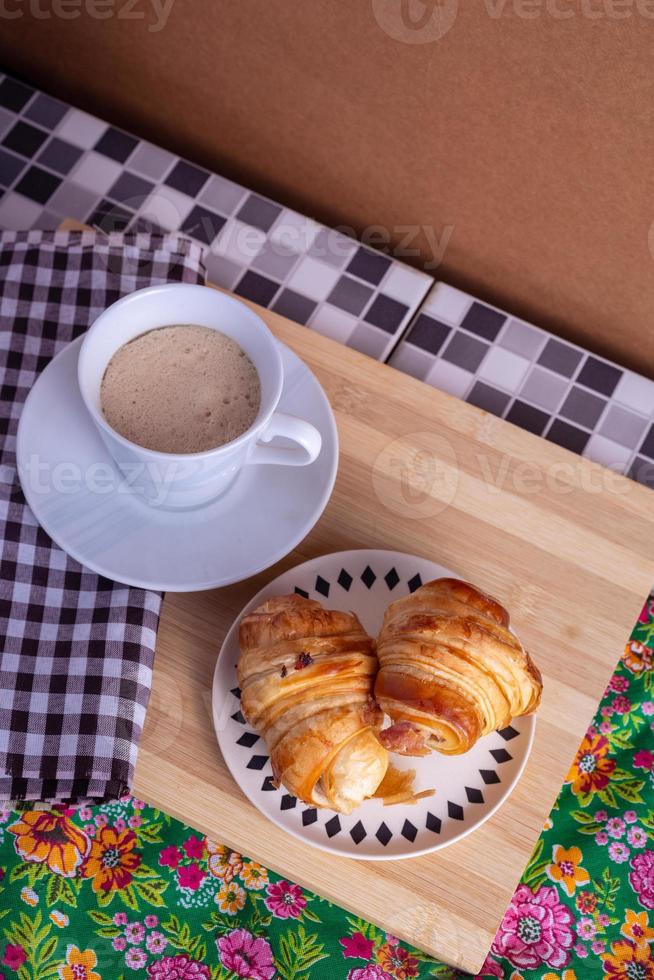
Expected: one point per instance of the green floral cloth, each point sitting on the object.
(123, 891)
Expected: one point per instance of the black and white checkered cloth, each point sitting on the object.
(76, 649)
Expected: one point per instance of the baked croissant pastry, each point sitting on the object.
(450, 669)
(306, 676)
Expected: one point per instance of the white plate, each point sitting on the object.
(262, 517)
(469, 788)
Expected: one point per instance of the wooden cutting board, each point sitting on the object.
(564, 543)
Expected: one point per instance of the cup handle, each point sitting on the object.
(307, 438)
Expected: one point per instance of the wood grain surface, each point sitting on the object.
(562, 542)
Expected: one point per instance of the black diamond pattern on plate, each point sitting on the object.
(309, 817)
(391, 578)
(288, 802)
(409, 831)
(501, 755)
(433, 823)
(257, 762)
(299, 591)
(455, 812)
(268, 785)
(383, 835)
(333, 827)
(414, 583)
(239, 718)
(508, 733)
(358, 832)
(344, 580)
(474, 795)
(236, 691)
(489, 776)
(368, 577)
(248, 739)
(322, 586)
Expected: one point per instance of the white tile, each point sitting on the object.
(17, 213)
(636, 392)
(313, 278)
(448, 304)
(333, 323)
(81, 129)
(607, 452)
(222, 272)
(239, 242)
(166, 207)
(295, 231)
(96, 172)
(502, 368)
(411, 360)
(406, 284)
(450, 378)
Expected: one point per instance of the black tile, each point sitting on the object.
(248, 739)
(130, 190)
(258, 212)
(59, 155)
(236, 691)
(501, 755)
(187, 178)
(322, 586)
(455, 812)
(391, 578)
(464, 351)
(582, 407)
(288, 802)
(415, 582)
(568, 436)
(368, 577)
(309, 817)
(10, 167)
(24, 139)
(647, 447)
(528, 417)
(383, 834)
(299, 591)
(110, 217)
(599, 376)
(257, 762)
(368, 265)
(256, 287)
(268, 785)
(642, 470)
(14, 95)
(46, 111)
(344, 580)
(433, 823)
(560, 357)
(386, 313)
(358, 832)
(38, 185)
(508, 733)
(474, 795)
(489, 398)
(428, 334)
(238, 717)
(350, 295)
(294, 306)
(203, 224)
(489, 776)
(483, 321)
(116, 145)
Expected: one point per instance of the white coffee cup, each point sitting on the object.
(183, 480)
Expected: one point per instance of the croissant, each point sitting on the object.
(306, 675)
(450, 669)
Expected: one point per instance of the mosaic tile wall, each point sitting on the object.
(539, 382)
(57, 162)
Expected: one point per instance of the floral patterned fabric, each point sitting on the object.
(123, 891)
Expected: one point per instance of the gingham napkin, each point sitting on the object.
(77, 649)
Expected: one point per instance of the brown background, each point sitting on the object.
(526, 136)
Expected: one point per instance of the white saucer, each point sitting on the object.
(79, 498)
(470, 788)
